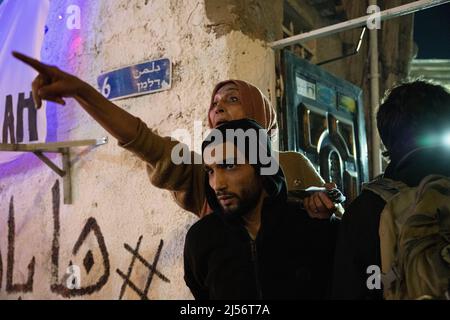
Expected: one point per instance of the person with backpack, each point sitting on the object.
(394, 240)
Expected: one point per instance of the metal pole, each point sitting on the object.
(67, 179)
(358, 22)
(374, 99)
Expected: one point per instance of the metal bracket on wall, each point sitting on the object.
(62, 148)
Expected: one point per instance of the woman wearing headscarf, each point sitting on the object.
(231, 100)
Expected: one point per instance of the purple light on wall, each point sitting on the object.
(63, 46)
(17, 118)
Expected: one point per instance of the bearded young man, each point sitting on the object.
(255, 244)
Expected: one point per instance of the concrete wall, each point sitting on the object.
(114, 205)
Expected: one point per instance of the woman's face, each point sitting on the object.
(227, 105)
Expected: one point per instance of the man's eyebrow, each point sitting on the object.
(233, 89)
(231, 160)
(206, 167)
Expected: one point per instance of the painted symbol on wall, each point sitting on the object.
(91, 226)
(11, 287)
(143, 294)
(91, 253)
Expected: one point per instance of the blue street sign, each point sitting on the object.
(135, 80)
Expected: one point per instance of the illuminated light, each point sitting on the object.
(446, 139)
(60, 17)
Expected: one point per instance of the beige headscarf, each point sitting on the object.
(255, 103)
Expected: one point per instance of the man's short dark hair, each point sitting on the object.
(273, 182)
(411, 111)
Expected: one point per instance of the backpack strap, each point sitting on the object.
(436, 181)
(385, 188)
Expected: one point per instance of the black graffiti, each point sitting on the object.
(9, 135)
(11, 287)
(143, 294)
(60, 286)
(8, 121)
(90, 226)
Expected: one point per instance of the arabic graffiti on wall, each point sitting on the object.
(61, 286)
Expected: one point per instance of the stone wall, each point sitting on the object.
(114, 205)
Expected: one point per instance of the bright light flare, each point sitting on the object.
(446, 139)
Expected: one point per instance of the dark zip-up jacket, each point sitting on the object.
(291, 257)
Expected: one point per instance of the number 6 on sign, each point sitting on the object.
(106, 88)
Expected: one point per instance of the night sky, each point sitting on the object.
(432, 32)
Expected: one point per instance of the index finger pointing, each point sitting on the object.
(35, 64)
